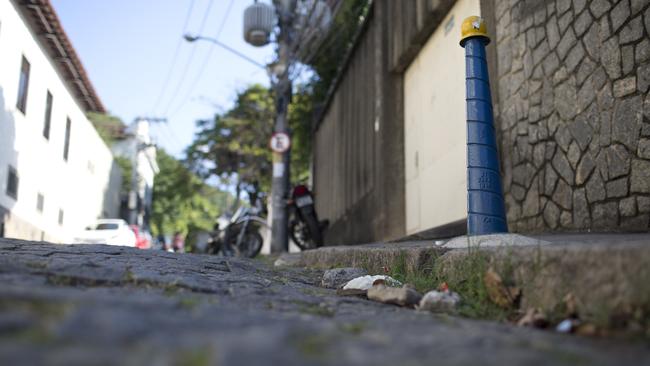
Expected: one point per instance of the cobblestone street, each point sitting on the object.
(66, 305)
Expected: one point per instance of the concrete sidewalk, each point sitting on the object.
(606, 274)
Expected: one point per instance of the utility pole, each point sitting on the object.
(280, 182)
(135, 186)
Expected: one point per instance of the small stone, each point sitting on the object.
(366, 282)
(626, 124)
(624, 87)
(581, 132)
(586, 68)
(530, 206)
(566, 219)
(518, 192)
(550, 64)
(638, 223)
(619, 14)
(643, 77)
(599, 7)
(627, 54)
(610, 57)
(404, 296)
(581, 24)
(605, 215)
(562, 195)
(566, 44)
(637, 5)
(552, 32)
(580, 209)
(618, 161)
(633, 31)
(585, 168)
(627, 206)
(575, 57)
(562, 6)
(643, 204)
(563, 167)
(574, 154)
(591, 40)
(538, 154)
(644, 149)
(640, 176)
(579, 5)
(617, 188)
(550, 178)
(646, 107)
(439, 301)
(565, 21)
(642, 51)
(540, 52)
(566, 101)
(551, 215)
(595, 188)
(337, 277)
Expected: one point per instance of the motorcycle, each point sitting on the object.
(239, 235)
(304, 228)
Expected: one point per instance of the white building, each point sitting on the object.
(141, 151)
(57, 176)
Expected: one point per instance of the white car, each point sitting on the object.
(108, 231)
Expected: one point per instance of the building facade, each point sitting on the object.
(57, 176)
(570, 84)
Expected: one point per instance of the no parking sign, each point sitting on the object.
(280, 142)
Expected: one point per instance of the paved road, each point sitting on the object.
(101, 305)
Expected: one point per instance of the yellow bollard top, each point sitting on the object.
(473, 26)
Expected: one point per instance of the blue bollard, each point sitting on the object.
(485, 205)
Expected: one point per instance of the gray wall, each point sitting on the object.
(573, 81)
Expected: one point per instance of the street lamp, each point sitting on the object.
(194, 37)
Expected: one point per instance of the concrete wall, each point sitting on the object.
(358, 146)
(574, 113)
(78, 186)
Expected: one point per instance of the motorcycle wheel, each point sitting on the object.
(250, 246)
(301, 235)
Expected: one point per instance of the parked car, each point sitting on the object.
(108, 231)
(142, 240)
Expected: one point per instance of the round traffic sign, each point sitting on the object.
(280, 142)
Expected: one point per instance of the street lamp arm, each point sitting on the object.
(193, 38)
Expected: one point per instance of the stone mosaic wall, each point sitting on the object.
(573, 113)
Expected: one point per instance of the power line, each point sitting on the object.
(172, 67)
(189, 61)
(205, 60)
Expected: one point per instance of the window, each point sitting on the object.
(23, 85)
(40, 202)
(66, 147)
(60, 217)
(12, 183)
(48, 115)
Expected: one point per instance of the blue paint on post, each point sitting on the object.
(485, 205)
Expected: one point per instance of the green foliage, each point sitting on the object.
(126, 166)
(234, 145)
(327, 61)
(110, 128)
(182, 201)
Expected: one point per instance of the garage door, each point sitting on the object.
(435, 132)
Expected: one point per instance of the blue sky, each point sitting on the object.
(128, 46)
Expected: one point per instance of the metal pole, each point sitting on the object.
(485, 205)
(133, 195)
(280, 182)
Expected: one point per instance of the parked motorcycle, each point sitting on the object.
(239, 235)
(304, 228)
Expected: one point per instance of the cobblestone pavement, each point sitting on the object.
(96, 305)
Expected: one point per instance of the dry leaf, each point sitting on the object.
(501, 295)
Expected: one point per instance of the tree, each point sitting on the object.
(182, 201)
(234, 145)
(110, 128)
